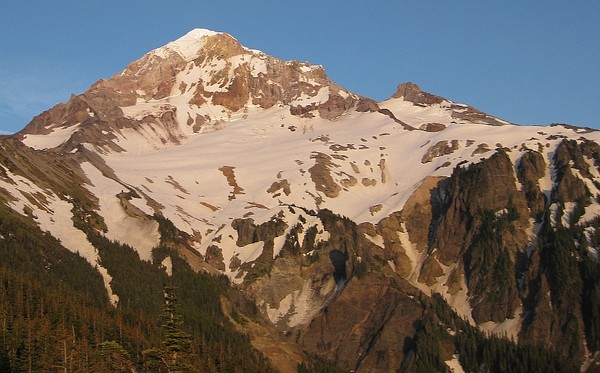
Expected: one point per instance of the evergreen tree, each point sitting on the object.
(115, 357)
(176, 341)
(154, 360)
(175, 354)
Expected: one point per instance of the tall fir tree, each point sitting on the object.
(175, 354)
(176, 341)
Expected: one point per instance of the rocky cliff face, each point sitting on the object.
(351, 225)
(482, 227)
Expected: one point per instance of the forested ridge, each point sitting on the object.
(55, 314)
(443, 333)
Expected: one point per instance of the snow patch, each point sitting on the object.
(167, 264)
(305, 99)
(300, 306)
(377, 240)
(250, 252)
(257, 66)
(141, 234)
(51, 140)
(509, 327)
(454, 364)
(409, 248)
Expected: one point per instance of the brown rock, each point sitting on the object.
(237, 93)
(441, 148)
(365, 328)
(432, 127)
(280, 185)
(411, 92)
(430, 271)
(367, 105)
(335, 106)
(214, 257)
(480, 200)
(568, 187)
(320, 174)
(530, 169)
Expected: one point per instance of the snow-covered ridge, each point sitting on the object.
(417, 115)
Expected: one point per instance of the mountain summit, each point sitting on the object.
(195, 84)
(204, 80)
(347, 224)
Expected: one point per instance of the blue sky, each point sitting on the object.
(524, 61)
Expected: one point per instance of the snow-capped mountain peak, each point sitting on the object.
(197, 83)
(187, 46)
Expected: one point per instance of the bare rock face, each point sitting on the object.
(214, 257)
(152, 77)
(420, 210)
(488, 185)
(531, 168)
(405, 235)
(236, 96)
(249, 233)
(315, 263)
(367, 105)
(393, 250)
(74, 111)
(336, 106)
(411, 92)
(323, 295)
(483, 221)
(570, 188)
(366, 328)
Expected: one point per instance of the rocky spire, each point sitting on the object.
(411, 92)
